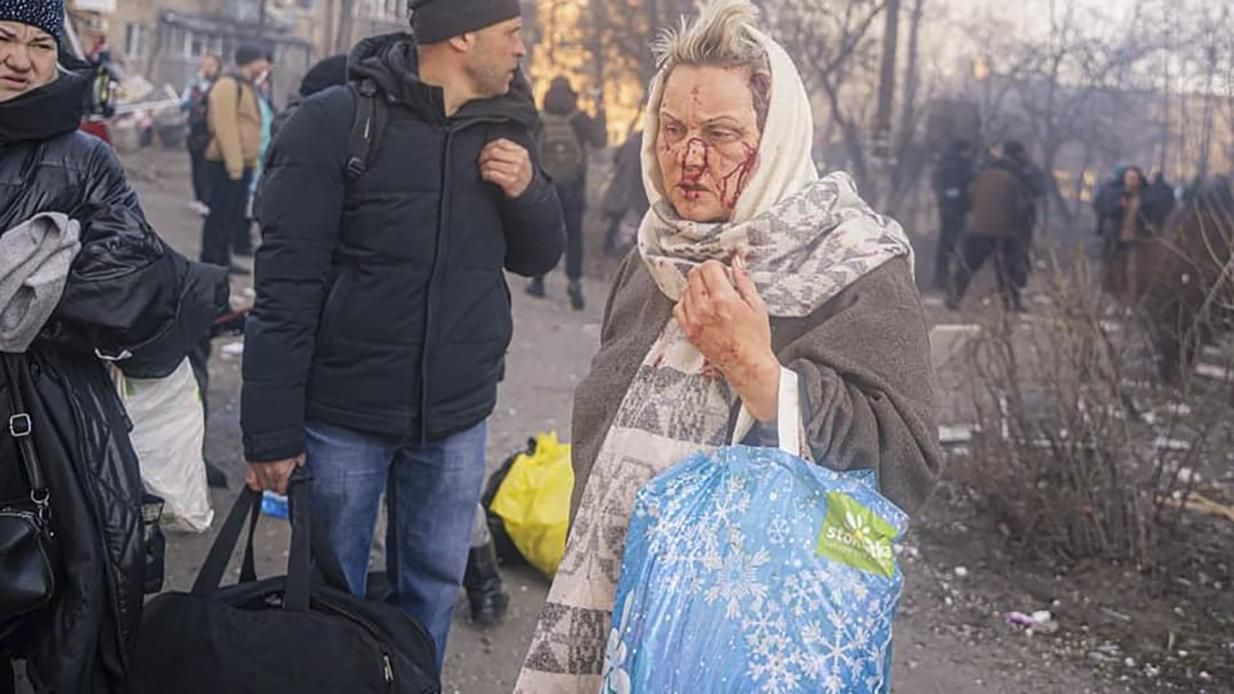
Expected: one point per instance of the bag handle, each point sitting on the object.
(300, 558)
(788, 416)
(248, 504)
(308, 543)
(21, 427)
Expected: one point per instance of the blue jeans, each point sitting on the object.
(431, 496)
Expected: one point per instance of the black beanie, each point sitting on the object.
(47, 15)
(246, 55)
(433, 21)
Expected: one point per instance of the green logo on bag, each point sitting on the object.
(855, 535)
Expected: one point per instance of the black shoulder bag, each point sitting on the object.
(27, 542)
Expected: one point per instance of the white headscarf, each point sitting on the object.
(805, 239)
(785, 167)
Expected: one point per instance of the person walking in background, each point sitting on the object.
(234, 115)
(1161, 200)
(263, 88)
(194, 102)
(378, 338)
(1003, 213)
(1129, 213)
(625, 201)
(566, 132)
(953, 179)
(200, 356)
(1037, 183)
(242, 245)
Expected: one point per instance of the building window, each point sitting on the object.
(134, 40)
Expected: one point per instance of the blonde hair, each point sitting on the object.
(721, 35)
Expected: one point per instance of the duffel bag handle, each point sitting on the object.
(210, 577)
(309, 542)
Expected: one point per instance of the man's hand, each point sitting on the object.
(507, 165)
(272, 476)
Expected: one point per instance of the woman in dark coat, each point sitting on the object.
(1128, 216)
(117, 293)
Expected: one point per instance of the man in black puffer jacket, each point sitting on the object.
(383, 316)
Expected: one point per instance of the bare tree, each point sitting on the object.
(346, 22)
(837, 52)
(1051, 91)
(910, 161)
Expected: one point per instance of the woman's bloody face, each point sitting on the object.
(708, 141)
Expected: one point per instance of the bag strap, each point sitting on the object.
(21, 427)
(248, 504)
(308, 543)
(300, 558)
(788, 416)
(323, 555)
(366, 128)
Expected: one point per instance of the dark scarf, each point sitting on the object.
(45, 112)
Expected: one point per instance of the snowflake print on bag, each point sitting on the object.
(739, 533)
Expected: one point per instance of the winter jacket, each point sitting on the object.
(1003, 205)
(129, 298)
(382, 305)
(1159, 197)
(625, 192)
(1112, 202)
(235, 125)
(267, 136)
(952, 180)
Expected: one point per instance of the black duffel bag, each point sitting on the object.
(286, 634)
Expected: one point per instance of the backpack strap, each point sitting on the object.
(366, 128)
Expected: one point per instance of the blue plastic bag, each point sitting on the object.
(753, 570)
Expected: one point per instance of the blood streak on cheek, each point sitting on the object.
(734, 183)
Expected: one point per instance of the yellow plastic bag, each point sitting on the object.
(533, 502)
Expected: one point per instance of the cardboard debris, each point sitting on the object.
(951, 434)
(1217, 373)
(1200, 504)
(1164, 443)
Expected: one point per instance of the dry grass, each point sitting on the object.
(1082, 453)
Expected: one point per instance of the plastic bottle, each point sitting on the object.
(274, 505)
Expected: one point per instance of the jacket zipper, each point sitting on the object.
(439, 257)
(443, 221)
